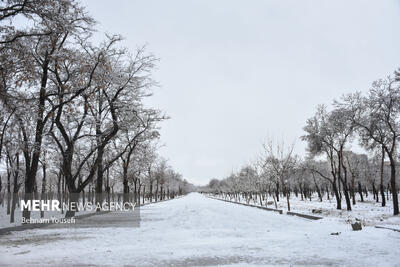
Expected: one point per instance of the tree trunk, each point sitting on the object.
(144, 191)
(317, 188)
(327, 192)
(156, 194)
(347, 196)
(382, 190)
(388, 190)
(287, 199)
(353, 195)
(108, 189)
(393, 185)
(375, 193)
(137, 197)
(277, 191)
(318, 192)
(15, 191)
(135, 190)
(8, 190)
(360, 192)
(151, 191)
(59, 187)
(14, 202)
(73, 198)
(125, 197)
(29, 189)
(99, 181)
(381, 184)
(276, 204)
(343, 180)
(100, 152)
(338, 200)
(42, 196)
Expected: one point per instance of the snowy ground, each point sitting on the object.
(369, 212)
(200, 231)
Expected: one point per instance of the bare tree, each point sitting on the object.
(282, 163)
(376, 117)
(328, 133)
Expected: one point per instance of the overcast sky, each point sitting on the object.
(234, 72)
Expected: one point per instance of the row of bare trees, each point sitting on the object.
(331, 167)
(71, 110)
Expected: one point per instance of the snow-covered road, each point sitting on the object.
(199, 231)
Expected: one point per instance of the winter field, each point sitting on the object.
(369, 212)
(199, 231)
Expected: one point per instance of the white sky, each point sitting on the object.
(234, 72)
